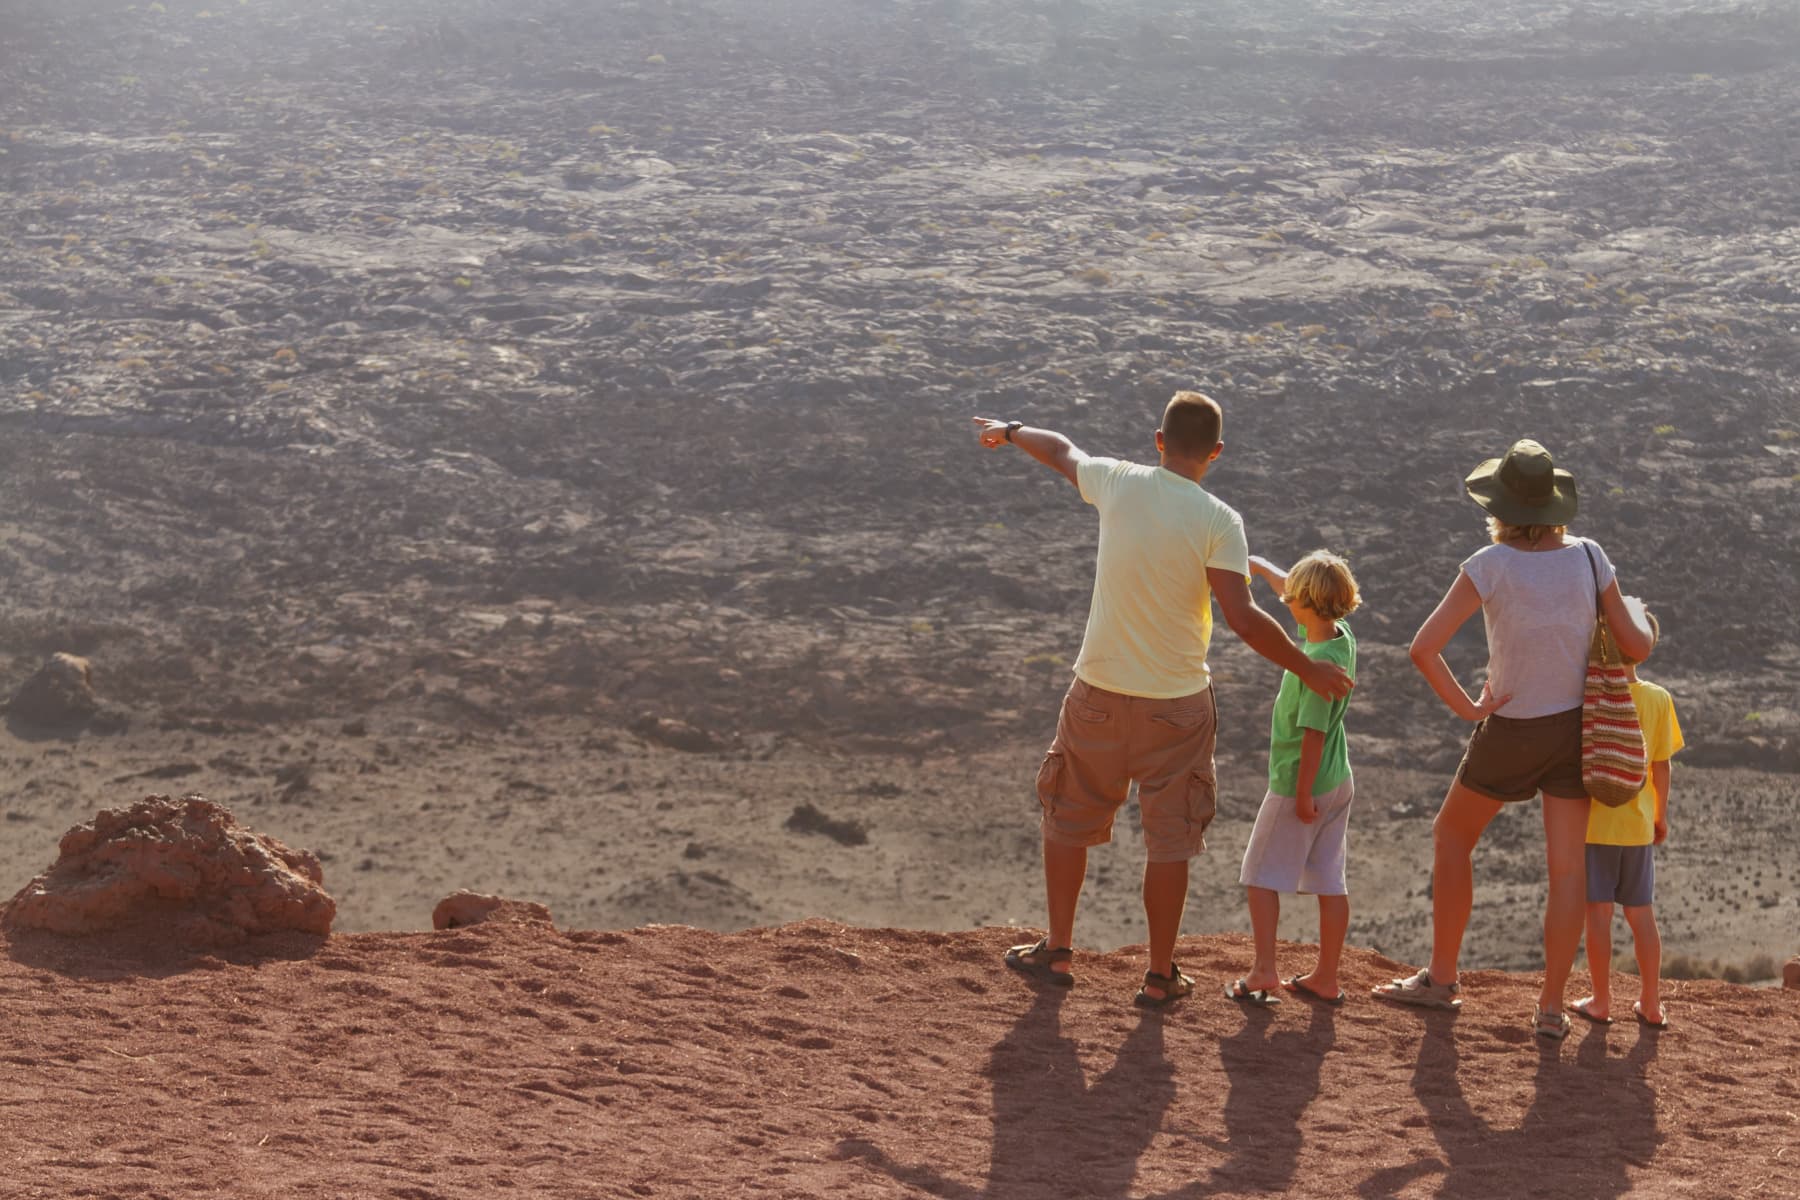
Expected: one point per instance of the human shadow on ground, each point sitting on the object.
(1054, 1132)
(1590, 1121)
(1272, 1071)
(146, 952)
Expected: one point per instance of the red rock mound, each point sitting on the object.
(184, 867)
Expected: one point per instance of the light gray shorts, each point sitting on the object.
(1287, 855)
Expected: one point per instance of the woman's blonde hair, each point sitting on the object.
(1502, 531)
(1322, 581)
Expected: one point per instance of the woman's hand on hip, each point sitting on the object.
(1488, 705)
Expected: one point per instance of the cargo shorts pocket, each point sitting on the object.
(1049, 780)
(1087, 714)
(1202, 803)
(1184, 718)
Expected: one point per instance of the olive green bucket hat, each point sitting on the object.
(1525, 487)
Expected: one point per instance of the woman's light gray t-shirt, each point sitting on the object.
(1539, 607)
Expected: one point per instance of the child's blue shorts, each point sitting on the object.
(1621, 875)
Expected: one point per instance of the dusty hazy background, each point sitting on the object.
(524, 446)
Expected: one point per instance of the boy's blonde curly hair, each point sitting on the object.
(1323, 582)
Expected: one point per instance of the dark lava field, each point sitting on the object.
(456, 364)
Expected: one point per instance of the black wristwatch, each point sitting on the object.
(1013, 427)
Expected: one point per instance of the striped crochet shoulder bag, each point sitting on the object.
(1613, 766)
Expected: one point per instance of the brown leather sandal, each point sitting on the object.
(1173, 987)
(1039, 962)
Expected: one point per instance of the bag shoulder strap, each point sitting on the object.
(1604, 647)
(1595, 568)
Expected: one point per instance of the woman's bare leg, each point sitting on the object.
(1453, 837)
(1565, 910)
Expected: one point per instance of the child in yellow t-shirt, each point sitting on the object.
(1621, 865)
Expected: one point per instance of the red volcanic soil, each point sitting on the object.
(816, 1059)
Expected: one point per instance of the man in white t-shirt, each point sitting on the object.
(1141, 706)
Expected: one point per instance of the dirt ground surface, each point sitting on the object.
(818, 1059)
(526, 447)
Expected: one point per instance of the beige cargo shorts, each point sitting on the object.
(1104, 741)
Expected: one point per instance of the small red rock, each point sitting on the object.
(472, 908)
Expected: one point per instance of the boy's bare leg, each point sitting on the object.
(1599, 956)
(1453, 836)
(1165, 896)
(1265, 917)
(1334, 927)
(1065, 870)
(1646, 940)
(1565, 909)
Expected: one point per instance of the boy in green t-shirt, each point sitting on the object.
(1301, 833)
(1621, 861)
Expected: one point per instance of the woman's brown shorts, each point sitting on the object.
(1515, 760)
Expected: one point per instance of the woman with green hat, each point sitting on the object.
(1538, 590)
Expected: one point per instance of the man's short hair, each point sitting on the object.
(1191, 424)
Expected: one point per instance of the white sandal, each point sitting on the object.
(1419, 991)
